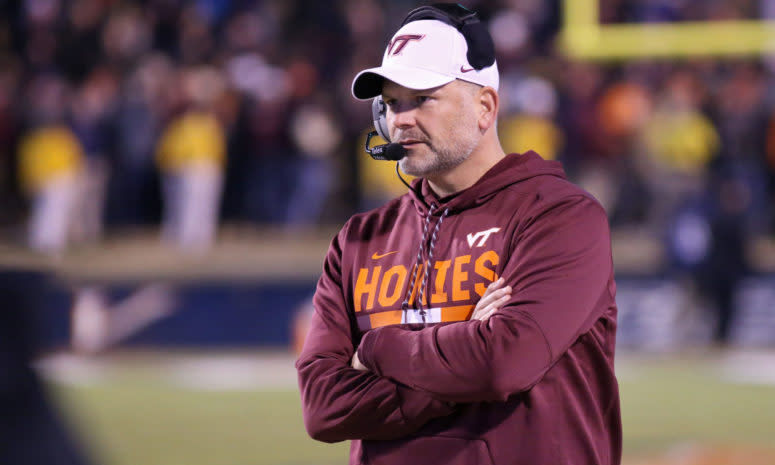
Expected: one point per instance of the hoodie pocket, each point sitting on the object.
(435, 450)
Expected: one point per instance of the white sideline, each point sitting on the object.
(250, 371)
(748, 367)
(210, 371)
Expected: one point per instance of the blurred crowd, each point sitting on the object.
(190, 114)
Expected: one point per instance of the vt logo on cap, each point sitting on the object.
(400, 42)
(424, 54)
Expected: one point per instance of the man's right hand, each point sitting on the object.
(493, 299)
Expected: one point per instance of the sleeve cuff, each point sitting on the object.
(366, 351)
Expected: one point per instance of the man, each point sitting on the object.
(472, 320)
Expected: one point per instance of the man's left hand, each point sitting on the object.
(356, 363)
(495, 297)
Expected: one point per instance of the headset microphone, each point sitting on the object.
(391, 151)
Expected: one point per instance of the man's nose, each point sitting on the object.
(404, 117)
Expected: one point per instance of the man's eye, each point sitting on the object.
(422, 98)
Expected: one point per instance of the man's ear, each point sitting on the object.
(488, 107)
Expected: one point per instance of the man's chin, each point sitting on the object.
(407, 166)
(410, 166)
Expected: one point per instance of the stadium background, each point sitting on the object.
(176, 347)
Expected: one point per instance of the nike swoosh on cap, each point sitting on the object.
(377, 256)
(464, 70)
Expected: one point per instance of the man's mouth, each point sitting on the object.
(409, 143)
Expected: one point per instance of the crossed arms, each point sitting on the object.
(397, 379)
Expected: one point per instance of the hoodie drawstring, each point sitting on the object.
(431, 246)
(419, 262)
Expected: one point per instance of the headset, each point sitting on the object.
(389, 151)
(481, 54)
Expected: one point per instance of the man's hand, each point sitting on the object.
(356, 363)
(493, 299)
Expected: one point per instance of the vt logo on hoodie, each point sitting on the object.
(482, 236)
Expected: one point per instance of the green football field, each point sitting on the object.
(139, 410)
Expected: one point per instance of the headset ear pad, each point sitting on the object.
(378, 111)
(481, 50)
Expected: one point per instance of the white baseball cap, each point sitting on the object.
(423, 54)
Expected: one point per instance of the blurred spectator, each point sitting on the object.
(79, 51)
(679, 142)
(50, 167)
(528, 119)
(263, 127)
(196, 45)
(770, 172)
(191, 156)
(143, 102)
(624, 109)
(511, 36)
(92, 109)
(317, 137)
(589, 156)
(9, 132)
(580, 88)
(731, 197)
(707, 241)
(126, 36)
(741, 118)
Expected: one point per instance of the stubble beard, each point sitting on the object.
(450, 151)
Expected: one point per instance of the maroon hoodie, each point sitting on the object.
(533, 385)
